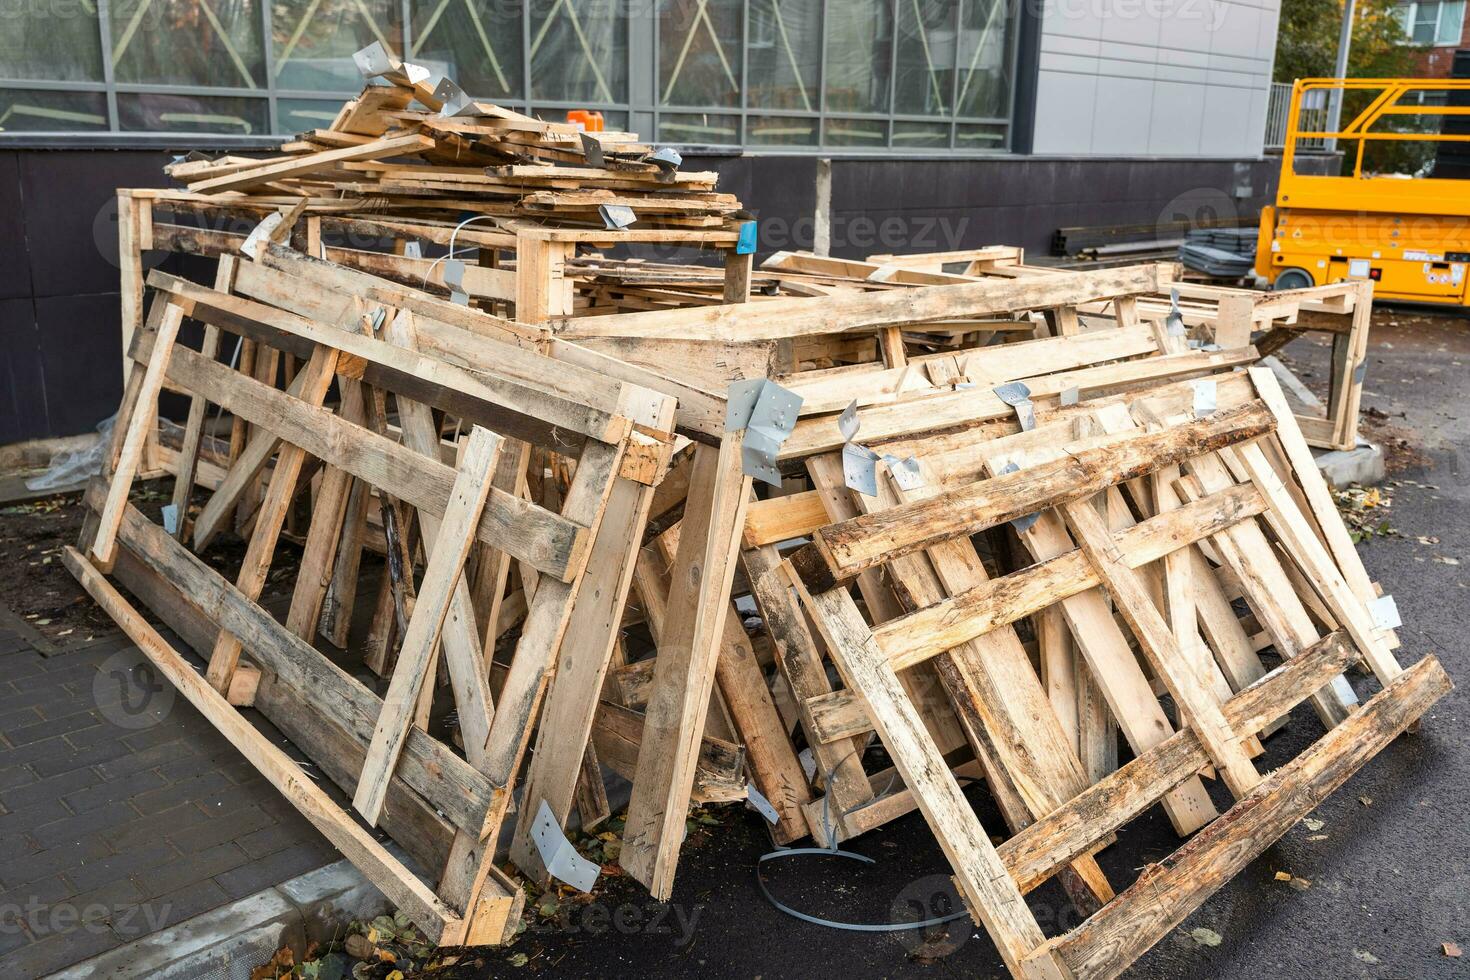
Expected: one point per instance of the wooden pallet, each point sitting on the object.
(378, 342)
(1206, 485)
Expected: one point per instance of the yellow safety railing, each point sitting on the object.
(1371, 192)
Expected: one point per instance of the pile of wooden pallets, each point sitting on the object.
(1007, 524)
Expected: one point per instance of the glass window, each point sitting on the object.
(923, 83)
(856, 132)
(56, 41)
(579, 50)
(187, 42)
(1436, 22)
(781, 131)
(300, 115)
(984, 60)
(982, 136)
(698, 127)
(192, 114)
(699, 52)
(22, 110)
(784, 54)
(475, 42)
(859, 53)
(920, 134)
(313, 40)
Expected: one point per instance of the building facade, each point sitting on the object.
(948, 123)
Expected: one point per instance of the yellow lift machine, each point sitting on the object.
(1408, 233)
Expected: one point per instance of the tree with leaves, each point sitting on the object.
(1306, 47)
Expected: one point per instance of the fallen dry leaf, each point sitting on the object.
(1206, 937)
(1450, 949)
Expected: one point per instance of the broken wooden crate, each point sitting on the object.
(1123, 500)
(373, 342)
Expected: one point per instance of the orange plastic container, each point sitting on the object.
(590, 119)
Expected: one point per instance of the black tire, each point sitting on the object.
(1293, 279)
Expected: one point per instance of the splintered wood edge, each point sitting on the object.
(814, 565)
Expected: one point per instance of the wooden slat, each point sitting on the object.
(1166, 893)
(403, 888)
(685, 671)
(840, 552)
(846, 313)
(427, 766)
(140, 424)
(450, 549)
(547, 541)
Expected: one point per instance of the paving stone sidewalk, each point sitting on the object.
(122, 810)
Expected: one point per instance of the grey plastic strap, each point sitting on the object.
(457, 101)
(1204, 397)
(558, 856)
(170, 517)
(859, 469)
(260, 235)
(1174, 325)
(767, 412)
(848, 423)
(374, 60)
(616, 216)
(757, 802)
(1385, 613)
(1018, 396)
(1070, 396)
(413, 250)
(906, 472)
(1021, 524)
(454, 279)
(592, 150)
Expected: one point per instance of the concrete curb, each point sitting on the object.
(228, 942)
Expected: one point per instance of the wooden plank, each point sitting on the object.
(777, 772)
(198, 405)
(305, 164)
(841, 551)
(684, 675)
(439, 922)
(329, 509)
(470, 864)
(992, 604)
(463, 655)
(140, 427)
(800, 662)
(991, 896)
(419, 376)
(428, 766)
(547, 541)
(1166, 893)
(1156, 640)
(450, 549)
(255, 566)
(567, 719)
(1313, 486)
(1114, 801)
(1309, 553)
(130, 271)
(849, 312)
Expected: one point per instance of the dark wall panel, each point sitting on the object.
(22, 387)
(80, 346)
(59, 320)
(15, 270)
(71, 214)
